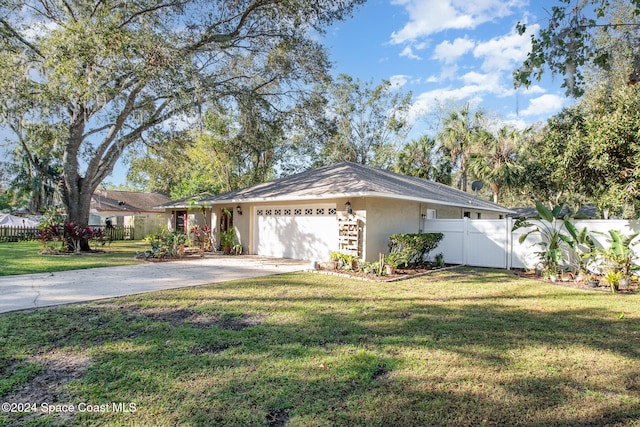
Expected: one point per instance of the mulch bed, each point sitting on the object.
(631, 289)
(400, 274)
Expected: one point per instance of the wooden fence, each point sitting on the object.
(20, 234)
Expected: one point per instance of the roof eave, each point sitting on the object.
(353, 195)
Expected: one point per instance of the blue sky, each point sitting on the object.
(448, 51)
(444, 51)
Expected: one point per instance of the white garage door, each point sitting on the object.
(307, 232)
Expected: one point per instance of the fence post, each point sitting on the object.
(465, 239)
(509, 248)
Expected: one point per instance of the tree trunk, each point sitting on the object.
(495, 189)
(78, 205)
(76, 190)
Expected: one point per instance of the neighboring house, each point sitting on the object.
(129, 209)
(345, 206)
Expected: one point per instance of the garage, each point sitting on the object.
(307, 232)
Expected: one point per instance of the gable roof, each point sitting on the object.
(348, 179)
(127, 201)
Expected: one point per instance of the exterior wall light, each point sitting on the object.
(239, 210)
(347, 207)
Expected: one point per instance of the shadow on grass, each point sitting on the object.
(297, 350)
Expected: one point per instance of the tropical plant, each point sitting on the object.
(227, 238)
(582, 248)
(551, 225)
(167, 243)
(613, 278)
(620, 256)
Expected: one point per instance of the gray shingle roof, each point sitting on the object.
(348, 179)
(127, 201)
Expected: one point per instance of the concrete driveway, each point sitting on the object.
(48, 289)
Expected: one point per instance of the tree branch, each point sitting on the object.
(21, 39)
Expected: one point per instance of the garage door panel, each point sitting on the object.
(300, 232)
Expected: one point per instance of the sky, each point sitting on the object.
(443, 51)
(447, 51)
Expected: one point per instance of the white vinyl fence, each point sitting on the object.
(491, 243)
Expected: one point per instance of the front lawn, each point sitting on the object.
(455, 348)
(23, 258)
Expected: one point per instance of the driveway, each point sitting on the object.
(65, 287)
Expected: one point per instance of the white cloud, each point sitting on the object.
(489, 80)
(426, 102)
(506, 52)
(449, 52)
(544, 105)
(408, 52)
(532, 90)
(399, 80)
(428, 17)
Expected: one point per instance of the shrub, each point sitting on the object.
(166, 243)
(54, 232)
(413, 248)
(344, 261)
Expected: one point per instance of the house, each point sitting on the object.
(344, 207)
(128, 209)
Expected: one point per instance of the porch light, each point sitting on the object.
(239, 210)
(347, 207)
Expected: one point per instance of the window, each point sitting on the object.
(479, 215)
(432, 214)
(467, 214)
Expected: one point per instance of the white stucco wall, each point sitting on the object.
(379, 218)
(386, 217)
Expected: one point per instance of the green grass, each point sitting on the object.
(23, 258)
(465, 347)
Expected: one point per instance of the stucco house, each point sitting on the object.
(346, 206)
(129, 209)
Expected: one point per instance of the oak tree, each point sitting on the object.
(110, 72)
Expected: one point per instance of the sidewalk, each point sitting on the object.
(65, 287)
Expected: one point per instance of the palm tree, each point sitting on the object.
(416, 158)
(420, 158)
(458, 139)
(494, 159)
